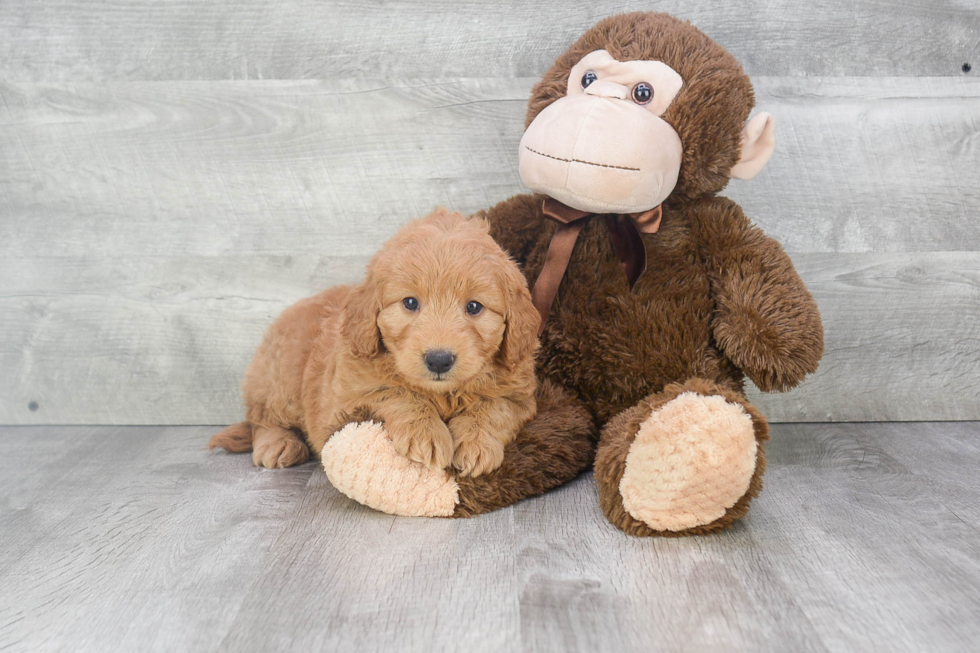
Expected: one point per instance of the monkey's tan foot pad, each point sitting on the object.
(690, 462)
(362, 463)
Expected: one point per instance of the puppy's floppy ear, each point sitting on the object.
(521, 318)
(359, 323)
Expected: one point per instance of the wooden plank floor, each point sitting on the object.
(134, 538)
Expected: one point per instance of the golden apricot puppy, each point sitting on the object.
(438, 343)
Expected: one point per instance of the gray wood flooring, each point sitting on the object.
(126, 539)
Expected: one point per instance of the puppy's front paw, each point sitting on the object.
(478, 457)
(477, 452)
(427, 442)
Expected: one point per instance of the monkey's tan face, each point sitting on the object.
(604, 146)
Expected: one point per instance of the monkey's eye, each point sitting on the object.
(642, 93)
(588, 78)
(411, 304)
(474, 308)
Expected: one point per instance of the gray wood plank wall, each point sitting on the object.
(173, 175)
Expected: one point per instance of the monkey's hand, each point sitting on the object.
(766, 321)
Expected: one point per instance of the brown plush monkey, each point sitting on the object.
(660, 296)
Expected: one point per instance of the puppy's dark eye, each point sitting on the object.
(411, 303)
(642, 93)
(474, 308)
(588, 78)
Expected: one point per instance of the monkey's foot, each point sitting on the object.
(361, 462)
(682, 462)
(690, 462)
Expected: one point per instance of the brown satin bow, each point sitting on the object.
(624, 231)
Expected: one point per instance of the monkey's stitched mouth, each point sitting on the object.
(588, 163)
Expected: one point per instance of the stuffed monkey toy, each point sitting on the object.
(658, 296)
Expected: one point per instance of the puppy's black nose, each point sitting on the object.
(439, 361)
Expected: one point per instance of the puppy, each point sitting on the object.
(438, 343)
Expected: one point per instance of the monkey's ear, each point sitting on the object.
(359, 320)
(758, 142)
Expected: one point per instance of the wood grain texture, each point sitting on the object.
(884, 165)
(150, 231)
(165, 340)
(121, 539)
(106, 529)
(296, 168)
(71, 40)
(902, 339)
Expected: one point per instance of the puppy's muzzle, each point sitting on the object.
(439, 361)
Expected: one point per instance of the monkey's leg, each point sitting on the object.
(552, 449)
(685, 461)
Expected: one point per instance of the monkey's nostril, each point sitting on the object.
(439, 361)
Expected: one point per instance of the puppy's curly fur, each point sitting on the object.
(351, 352)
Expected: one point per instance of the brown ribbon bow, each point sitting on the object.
(624, 231)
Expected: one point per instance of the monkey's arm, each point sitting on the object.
(765, 321)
